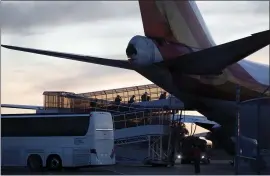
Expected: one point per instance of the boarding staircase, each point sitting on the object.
(139, 124)
(151, 128)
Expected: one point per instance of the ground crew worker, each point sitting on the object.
(118, 100)
(148, 98)
(93, 103)
(162, 96)
(197, 159)
(131, 100)
(174, 137)
(144, 97)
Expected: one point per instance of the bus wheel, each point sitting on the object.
(54, 162)
(34, 162)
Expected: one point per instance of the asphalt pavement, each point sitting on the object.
(215, 168)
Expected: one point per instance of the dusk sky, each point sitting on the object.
(97, 29)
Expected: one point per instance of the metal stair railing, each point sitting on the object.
(130, 140)
(105, 105)
(140, 118)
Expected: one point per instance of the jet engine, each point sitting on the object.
(142, 51)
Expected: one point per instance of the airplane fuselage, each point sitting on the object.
(217, 106)
(212, 95)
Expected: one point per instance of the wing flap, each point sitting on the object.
(82, 58)
(213, 60)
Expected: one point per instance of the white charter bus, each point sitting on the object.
(55, 141)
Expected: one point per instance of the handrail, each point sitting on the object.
(142, 116)
(153, 90)
(246, 157)
(114, 108)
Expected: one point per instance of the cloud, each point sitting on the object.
(22, 16)
(90, 77)
(100, 29)
(85, 82)
(234, 7)
(49, 73)
(25, 84)
(234, 19)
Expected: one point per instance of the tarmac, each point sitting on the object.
(215, 168)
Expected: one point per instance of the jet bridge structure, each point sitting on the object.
(83, 102)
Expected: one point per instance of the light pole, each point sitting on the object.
(237, 129)
(258, 158)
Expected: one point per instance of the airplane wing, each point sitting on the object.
(207, 126)
(21, 106)
(197, 120)
(194, 119)
(82, 58)
(213, 60)
(242, 137)
(201, 134)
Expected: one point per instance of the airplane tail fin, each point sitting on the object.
(178, 21)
